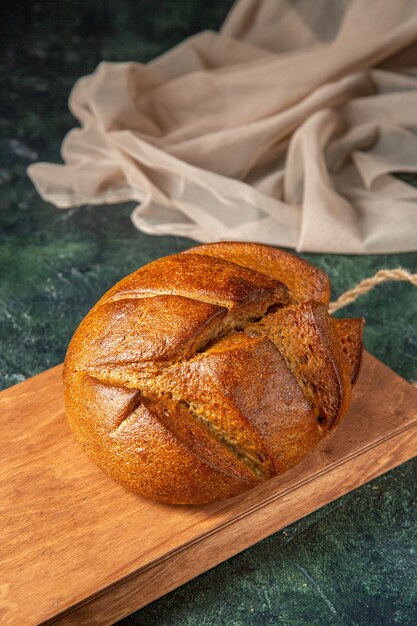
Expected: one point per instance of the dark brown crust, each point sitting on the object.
(305, 335)
(304, 281)
(350, 332)
(185, 382)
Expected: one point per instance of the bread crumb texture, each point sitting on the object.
(204, 373)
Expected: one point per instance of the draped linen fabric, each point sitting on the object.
(283, 128)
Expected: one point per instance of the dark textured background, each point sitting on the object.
(352, 562)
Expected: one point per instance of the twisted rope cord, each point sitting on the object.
(367, 284)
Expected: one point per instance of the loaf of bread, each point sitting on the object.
(203, 373)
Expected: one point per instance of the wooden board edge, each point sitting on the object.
(150, 583)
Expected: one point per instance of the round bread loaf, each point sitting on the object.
(203, 373)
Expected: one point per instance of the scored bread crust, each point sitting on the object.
(304, 281)
(203, 373)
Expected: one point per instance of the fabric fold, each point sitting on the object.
(284, 128)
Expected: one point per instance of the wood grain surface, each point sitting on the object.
(76, 548)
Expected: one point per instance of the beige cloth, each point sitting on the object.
(283, 129)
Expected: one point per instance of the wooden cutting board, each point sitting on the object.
(76, 548)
